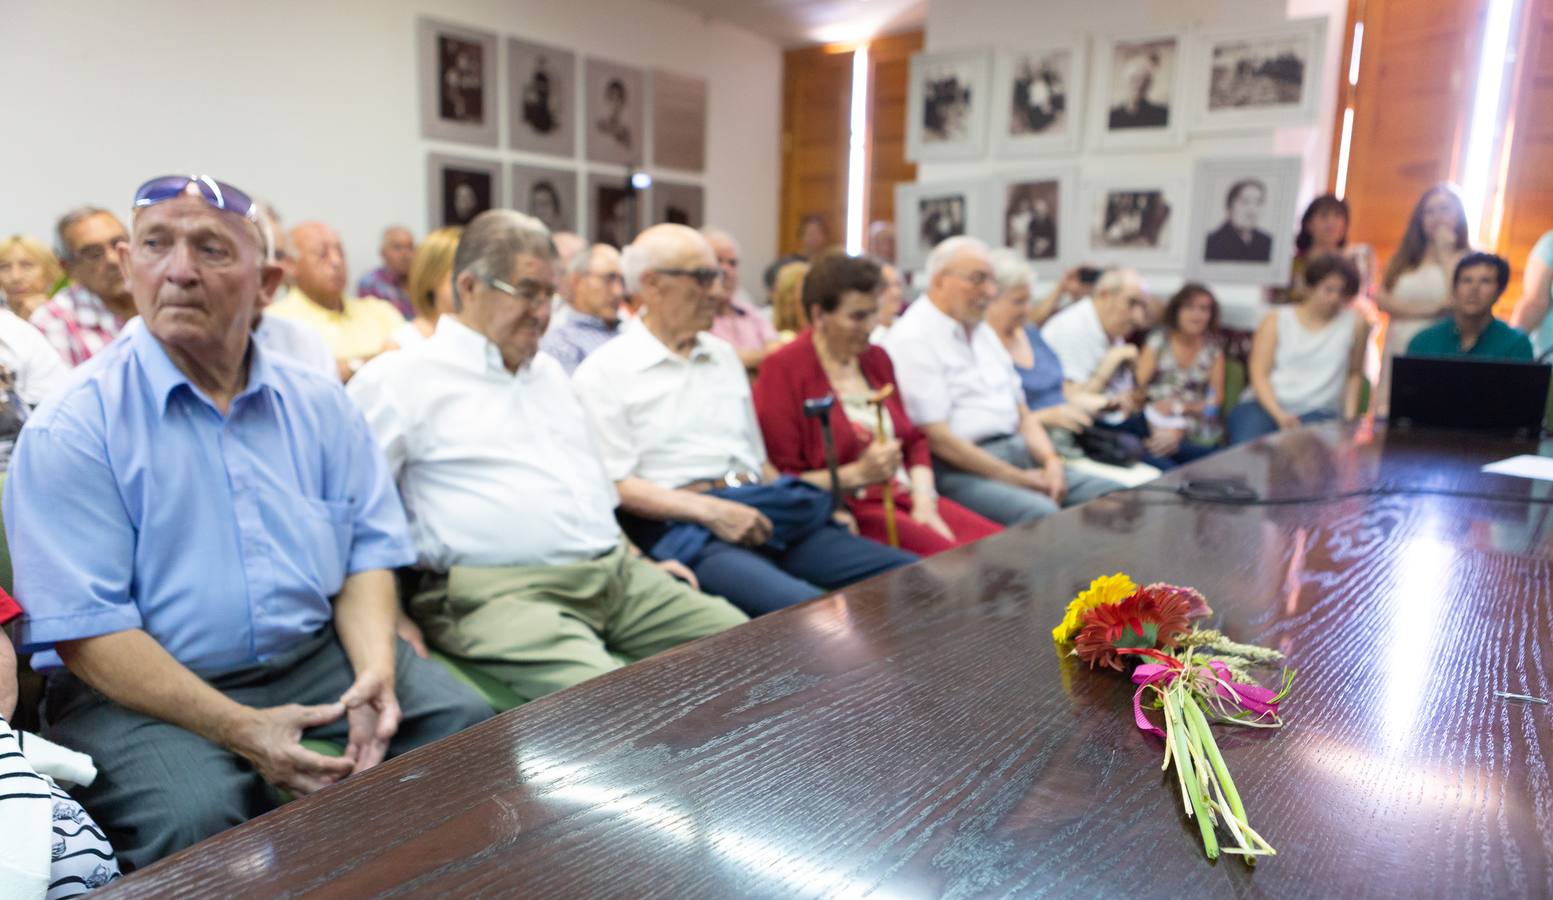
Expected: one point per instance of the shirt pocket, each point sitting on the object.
(325, 529)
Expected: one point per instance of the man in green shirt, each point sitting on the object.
(1472, 331)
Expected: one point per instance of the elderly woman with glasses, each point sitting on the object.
(877, 456)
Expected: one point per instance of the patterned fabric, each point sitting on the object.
(574, 336)
(385, 285)
(77, 323)
(80, 857)
(1186, 385)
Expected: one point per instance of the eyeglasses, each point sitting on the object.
(217, 193)
(609, 278)
(703, 277)
(527, 290)
(975, 279)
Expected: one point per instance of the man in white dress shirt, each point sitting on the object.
(671, 407)
(990, 453)
(1090, 339)
(508, 500)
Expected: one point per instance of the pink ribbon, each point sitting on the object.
(1249, 697)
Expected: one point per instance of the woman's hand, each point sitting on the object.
(925, 513)
(1164, 442)
(879, 462)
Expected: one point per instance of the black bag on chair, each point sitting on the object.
(1111, 446)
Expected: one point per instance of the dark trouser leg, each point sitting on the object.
(1247, 422)
(749, 580)
(833, 558)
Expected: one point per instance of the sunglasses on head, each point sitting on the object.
(218, 194)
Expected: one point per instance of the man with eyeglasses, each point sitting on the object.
(527, 573)
(88, 314)
(990, 452)
(673, 413)
(235, 590)
(1090, 340)
(594, 291)
(738, 321)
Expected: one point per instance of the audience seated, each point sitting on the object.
(671, 409)
(476, 425)
(738, 321)
(1306, 358)
(787, 312)
(1531, 311)
(429, 287)
(203, 543)
(87, 314)
(390, 281)
(595, 291)
(300, 343)
(30, 371)
(813, 236)
(881, 241)
(28, 272)
(892, 299)
(1181, 371)
(990, 453)
(355, 329)
(1472, 331)
(1323, 230)
(1069, 289)
(834, 358)
(567, 246)
(1415, 291)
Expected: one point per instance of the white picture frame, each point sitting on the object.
(1149, 63)
(615, 113)
(548, 193)
(458, 83)
(1259, 253)
(458, 188)
(913, 219)
(948, 100)
(541, 98)
(1014, 201)
(1132, 215)
(1038, 98)
(1241, 78)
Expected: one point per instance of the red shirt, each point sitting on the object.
(8, 608)
(794, 443)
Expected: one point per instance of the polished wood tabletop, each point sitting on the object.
(918, 736)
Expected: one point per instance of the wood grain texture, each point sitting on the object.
(917, 735)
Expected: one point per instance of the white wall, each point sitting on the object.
(313, 103)
(967, 24)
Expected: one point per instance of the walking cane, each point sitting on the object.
(819, 408)
(877, 402)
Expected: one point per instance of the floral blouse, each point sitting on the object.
(1187, 385)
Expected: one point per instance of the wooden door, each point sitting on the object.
(889, 61)
(816, 130)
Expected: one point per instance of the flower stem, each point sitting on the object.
(1199, 723)
(1185, 766)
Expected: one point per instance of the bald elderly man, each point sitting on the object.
(388, 281)
(355, 328)
(672, 411)
(594, 291)
(242, 529)
(738, 321)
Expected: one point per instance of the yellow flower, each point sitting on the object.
(1107, 590)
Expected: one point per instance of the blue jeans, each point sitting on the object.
(1005, 503)
(1249, 421)
(758, 580)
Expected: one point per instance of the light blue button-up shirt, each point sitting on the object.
(133, 503)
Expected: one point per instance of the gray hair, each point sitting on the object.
(393, 228)
(1115, 279)
(717, 234)
(1010, 269)
(948, 249)
(582, 260)
(650, 248)
(491, 242)
(70, 220)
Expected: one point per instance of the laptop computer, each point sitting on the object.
(1469, 394)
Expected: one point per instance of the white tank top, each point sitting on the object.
(1309, 367)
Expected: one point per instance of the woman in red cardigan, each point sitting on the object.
(833, 357)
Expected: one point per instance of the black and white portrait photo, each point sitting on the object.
(679, 121)
(1040, 93)
(457, 83)
(615, 114)
(926, 214)
(1039, 99)
(1243, 219)
(460, 189)
(1258, 77)
(1134, 219)
(1030, 217)
(549, 195)
(948, 105)
(677, 204)
(613, 210)
(939, 218)
(541, 90)
(1137, 102)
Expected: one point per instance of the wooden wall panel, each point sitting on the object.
(1528, 205)
(816, 109)
(889, 62)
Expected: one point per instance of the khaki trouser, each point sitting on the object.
(543, 628)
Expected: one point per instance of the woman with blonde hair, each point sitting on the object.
(430, 286)
(28, 273)
(787, 312)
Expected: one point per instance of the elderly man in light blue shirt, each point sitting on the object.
(203, 535)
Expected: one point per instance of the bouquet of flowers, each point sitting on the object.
(1193, 678)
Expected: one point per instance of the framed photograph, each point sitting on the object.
(676, 203)
(549, 195)
(614, 210)
(1134, 219)
(541, 99)
(1249, 78)
(458, 189)
(458, 83)
(678, 121)
(926, 214)
(1036, 211)
(615, 113)
(947, 105)
(1038, 99)
(1137, 101)
(1243, 214)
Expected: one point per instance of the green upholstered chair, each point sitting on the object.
(489, 687)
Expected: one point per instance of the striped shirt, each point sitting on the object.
(77, 323)
(79, 855)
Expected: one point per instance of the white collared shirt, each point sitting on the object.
(669, 419)
(1080, 342)
(969, 384)
(495, 469)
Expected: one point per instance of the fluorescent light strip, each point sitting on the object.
(856, 148)
(1358, 47)
(1342, 153)
(1484, 129)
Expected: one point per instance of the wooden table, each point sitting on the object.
(918, 736)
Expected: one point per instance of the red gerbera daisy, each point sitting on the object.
(1153, 616)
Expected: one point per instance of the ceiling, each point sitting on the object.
(793, 23)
